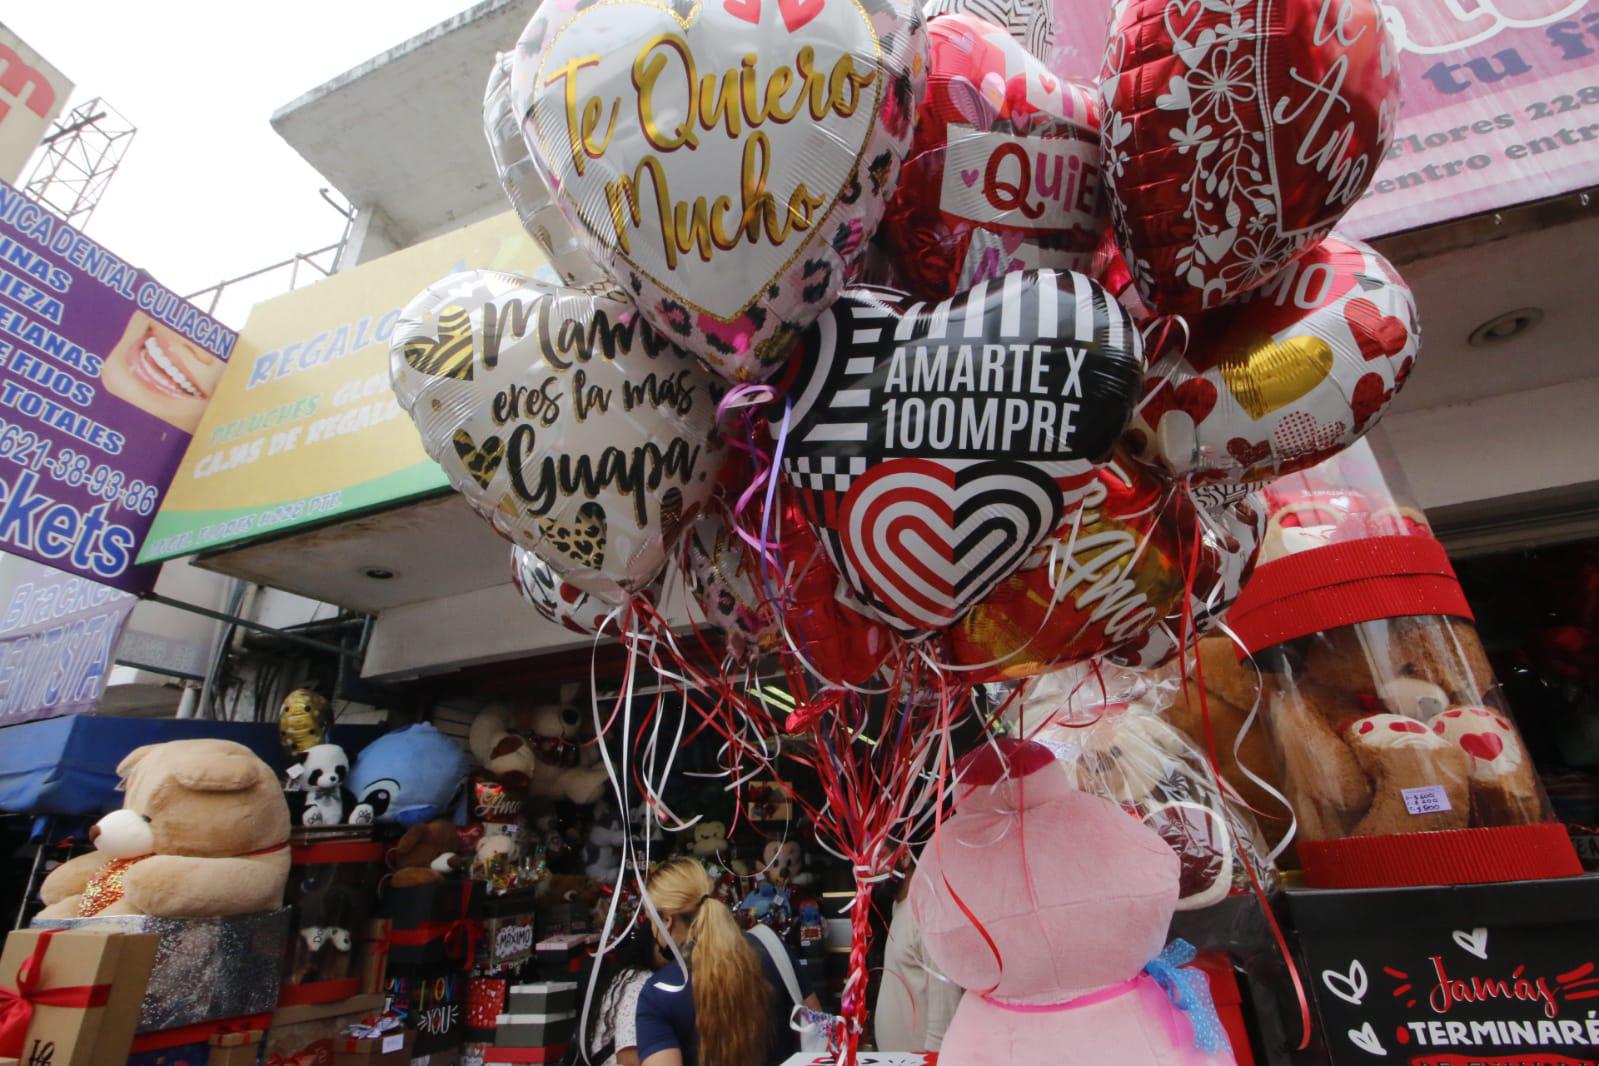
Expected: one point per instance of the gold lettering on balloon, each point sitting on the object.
(580, 128)
(677, 106)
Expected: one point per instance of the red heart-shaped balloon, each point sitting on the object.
(1003, 173)
(1236, 134)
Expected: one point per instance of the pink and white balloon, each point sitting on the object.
(724, 163)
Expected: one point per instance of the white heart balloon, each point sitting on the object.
(725, 163)
(563, 418)
(523, 184)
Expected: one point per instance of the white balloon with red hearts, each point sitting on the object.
(1284, 377)
(566, 606)
(725, 163)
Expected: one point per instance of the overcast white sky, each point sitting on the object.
(208, 190)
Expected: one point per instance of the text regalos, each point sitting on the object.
(734, 101)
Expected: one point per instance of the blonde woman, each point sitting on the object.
(731, 1009)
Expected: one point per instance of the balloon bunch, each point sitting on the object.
(915, 364)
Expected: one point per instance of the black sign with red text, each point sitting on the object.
(1476, 975)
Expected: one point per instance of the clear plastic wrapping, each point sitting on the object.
(1106, 728)
(1395, 724)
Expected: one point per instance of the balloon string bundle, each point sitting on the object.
(1302, 1000)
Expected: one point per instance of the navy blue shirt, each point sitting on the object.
(665, 1017)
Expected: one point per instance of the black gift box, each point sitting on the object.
(1497, 973)
(561, 957)
(433, 923)
(508, 930)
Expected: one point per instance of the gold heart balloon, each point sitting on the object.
(1264, 374)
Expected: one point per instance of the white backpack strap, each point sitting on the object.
(785, 968)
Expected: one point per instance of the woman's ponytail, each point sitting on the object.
(732, 998)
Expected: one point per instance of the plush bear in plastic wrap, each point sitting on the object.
(203, 832)
(1075, 898)
(602, 852)
(538, 749)
(1366, 712)
(1231, 690)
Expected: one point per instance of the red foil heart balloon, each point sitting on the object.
(1004, 170)
(1236, 133)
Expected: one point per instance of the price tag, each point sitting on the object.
(393, 1042)
(1429, 799)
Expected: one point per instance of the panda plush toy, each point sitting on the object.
(324, 771)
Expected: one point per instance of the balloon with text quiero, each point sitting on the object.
(1003, 173)
(1287, 376)
(524, 186)
(569, 607)
(1236, 133)
(934, 446)
(725, 163)
(563, 418)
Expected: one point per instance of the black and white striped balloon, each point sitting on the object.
(935, 446)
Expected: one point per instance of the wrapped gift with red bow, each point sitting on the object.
(72, 998)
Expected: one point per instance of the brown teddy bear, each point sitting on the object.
(539, 749)
(203, 832)
(1365, 712)
(1504, 785)
(427, 853)
(1403, 757)
(1231, 690)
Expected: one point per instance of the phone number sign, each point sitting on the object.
(104, 374)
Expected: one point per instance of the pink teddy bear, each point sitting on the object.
(1077, 897)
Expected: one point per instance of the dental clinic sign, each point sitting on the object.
(104, 374)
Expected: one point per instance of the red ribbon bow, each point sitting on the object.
(16, 1004)
(459, 936)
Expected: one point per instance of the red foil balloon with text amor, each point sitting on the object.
(1003, 173)
(1236, 133)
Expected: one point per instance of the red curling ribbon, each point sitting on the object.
(1187, 629)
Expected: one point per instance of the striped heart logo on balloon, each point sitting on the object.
(934, 447)
(930, 539)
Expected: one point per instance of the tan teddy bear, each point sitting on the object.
(1504, 785)
(539, 749)
(203, 832)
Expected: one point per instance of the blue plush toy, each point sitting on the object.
(407, 777)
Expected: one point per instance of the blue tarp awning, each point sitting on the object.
(68, 766)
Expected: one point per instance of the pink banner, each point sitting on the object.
(1501, 104)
